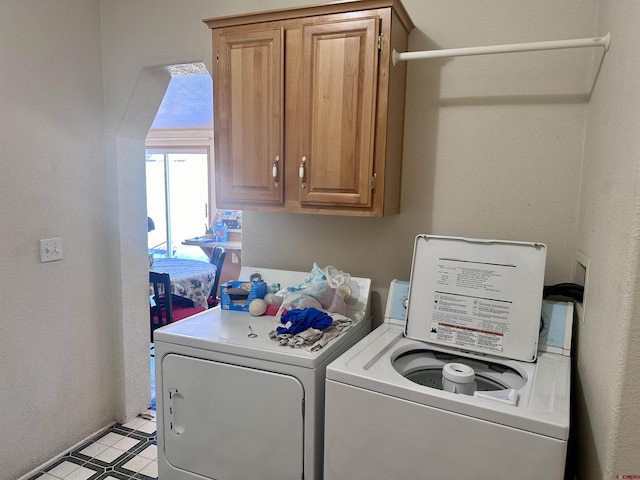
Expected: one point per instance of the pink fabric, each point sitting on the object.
(273, 310)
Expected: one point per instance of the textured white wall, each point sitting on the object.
(607, 383)
(56, 331)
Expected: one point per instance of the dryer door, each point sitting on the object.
(229, 422)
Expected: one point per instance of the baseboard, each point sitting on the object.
(70, 449)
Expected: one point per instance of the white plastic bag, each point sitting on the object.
(321, 289)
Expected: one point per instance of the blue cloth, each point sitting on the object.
(302, 319)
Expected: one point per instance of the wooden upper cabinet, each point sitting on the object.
(248, 115)
(309, 111)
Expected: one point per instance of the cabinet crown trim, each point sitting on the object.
(310, 11)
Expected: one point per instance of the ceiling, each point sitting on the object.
(188, 101)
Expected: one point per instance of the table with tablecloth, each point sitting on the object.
(192, 279)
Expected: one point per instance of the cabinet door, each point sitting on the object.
(248, 106)
(339, 83)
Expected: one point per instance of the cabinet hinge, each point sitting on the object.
(380, 43)
(217, 57)
(373, 181)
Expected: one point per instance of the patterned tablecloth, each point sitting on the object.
(191, 279)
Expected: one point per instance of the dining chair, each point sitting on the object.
(217, 258)
(162, 309)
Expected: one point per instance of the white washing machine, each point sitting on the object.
(459, 390)
(234, 404)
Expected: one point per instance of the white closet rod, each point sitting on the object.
(515, 47)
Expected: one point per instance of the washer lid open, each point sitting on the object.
(476, 295)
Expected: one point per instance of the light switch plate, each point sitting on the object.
(50, 249)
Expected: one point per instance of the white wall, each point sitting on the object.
(607, 383)
(56, 328)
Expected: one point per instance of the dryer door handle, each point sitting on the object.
(176, 424)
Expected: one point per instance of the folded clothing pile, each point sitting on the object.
(300, 319)
(309, 328)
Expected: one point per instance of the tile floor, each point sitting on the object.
(123, 452)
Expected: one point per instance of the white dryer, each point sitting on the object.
(234, 404)
(459, 390)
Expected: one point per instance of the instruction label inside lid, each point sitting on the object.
(482, 296)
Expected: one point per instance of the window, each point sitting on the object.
(177, 199)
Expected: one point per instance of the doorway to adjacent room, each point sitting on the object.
(179, 169)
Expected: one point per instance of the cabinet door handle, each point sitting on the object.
(303, 160)
(274, 171)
